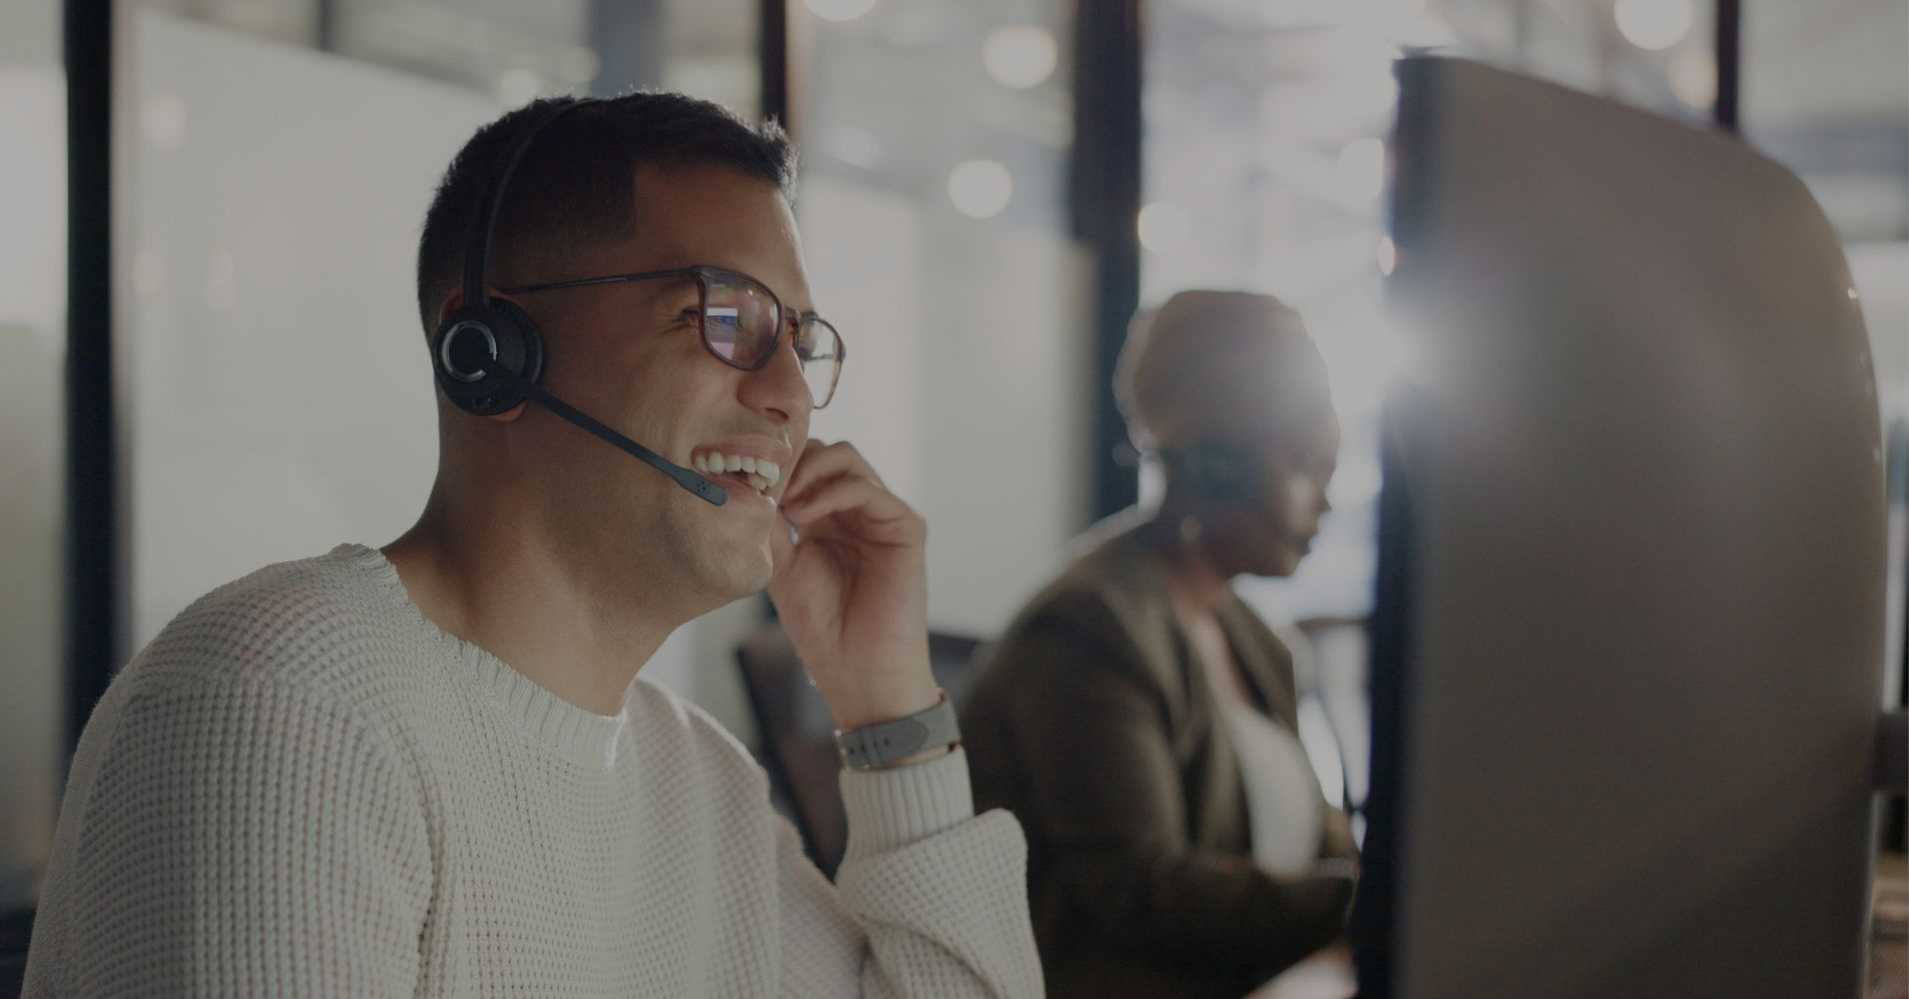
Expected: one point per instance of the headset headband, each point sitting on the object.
(477, 253)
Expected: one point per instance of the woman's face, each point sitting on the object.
(1269, 530)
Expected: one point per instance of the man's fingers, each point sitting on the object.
(820, 462)
(867, 499)
(781, 545)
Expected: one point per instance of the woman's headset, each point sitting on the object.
(1216, 472)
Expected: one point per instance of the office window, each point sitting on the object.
(32, 437)
(935, 142)
(517, 51)
(1825, 91)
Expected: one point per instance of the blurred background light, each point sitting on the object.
(1163, 227)
(854, 145)
(1362, 168)
(581, 64)
(840, 10)
(518, 86)
(1655, 25)
(980, 189)
(1020, 56)
(1693, 77)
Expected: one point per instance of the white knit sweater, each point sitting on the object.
(304, 788)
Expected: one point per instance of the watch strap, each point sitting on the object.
(873, 747)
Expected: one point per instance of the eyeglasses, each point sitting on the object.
(742, 323)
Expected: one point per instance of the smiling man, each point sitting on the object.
(434, 769)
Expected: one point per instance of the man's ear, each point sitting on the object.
(450, 304)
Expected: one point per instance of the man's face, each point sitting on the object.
(632, 356)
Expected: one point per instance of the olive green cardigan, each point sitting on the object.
(1093, 722)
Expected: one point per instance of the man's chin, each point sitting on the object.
(745, 573)
(1282, 563)
(722, 562)
(758, 583)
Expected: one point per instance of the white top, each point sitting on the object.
(1283, 803)
(302, 787)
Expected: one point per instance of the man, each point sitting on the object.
(427, 770)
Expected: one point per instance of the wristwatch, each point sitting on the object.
(875, 747)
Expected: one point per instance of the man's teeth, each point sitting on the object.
(761, 473)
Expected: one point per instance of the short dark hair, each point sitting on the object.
(576, 184)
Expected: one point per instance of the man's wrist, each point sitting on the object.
(915, 738)
(865, 707)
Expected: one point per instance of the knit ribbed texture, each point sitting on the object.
(893, 808)
(304, 788)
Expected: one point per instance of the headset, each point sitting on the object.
(488, 355)
(1220, 473)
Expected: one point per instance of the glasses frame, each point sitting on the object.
(704, 274)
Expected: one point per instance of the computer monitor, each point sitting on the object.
(1629, 625)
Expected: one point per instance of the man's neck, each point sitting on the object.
(514, 595)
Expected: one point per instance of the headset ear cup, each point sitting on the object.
(1232, 482)
(1218, 474)
(519, 346)
(500, 329)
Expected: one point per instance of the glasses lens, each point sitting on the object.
(740, 319)
(819, 348)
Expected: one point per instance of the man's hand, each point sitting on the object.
(852, 592)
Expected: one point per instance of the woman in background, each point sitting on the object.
(1140, 719)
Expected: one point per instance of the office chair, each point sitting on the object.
(16, 931)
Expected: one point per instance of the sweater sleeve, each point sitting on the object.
(931, 900)
(1103, 796)
(234, 836)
